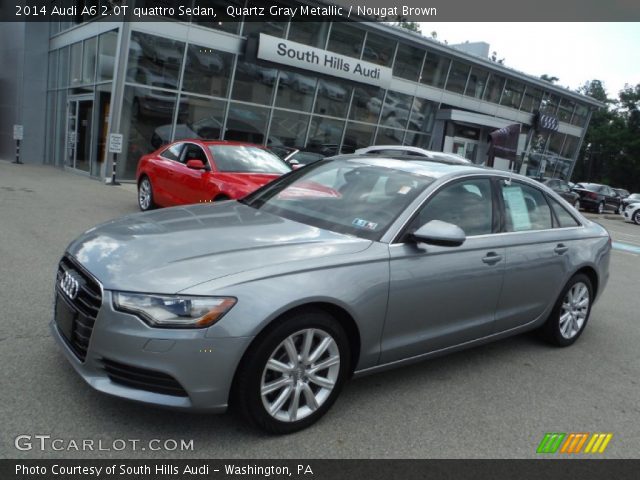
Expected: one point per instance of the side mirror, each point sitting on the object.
(195, 164)
(440, 233)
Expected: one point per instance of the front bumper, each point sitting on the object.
(204, 367)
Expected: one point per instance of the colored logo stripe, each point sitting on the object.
(550, 443)
(573, 442)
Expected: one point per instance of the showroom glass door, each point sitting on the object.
(465, 148)
(79, 132)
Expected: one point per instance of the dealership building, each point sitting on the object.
(330, 86)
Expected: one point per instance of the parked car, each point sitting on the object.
(631, 213)
(633, 198)
(562, 188)
(348, 266)
(196, 171)
(411, 153)
(621, 192)
(598, 198)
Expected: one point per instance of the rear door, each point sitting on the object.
(444, 296)
(164, 172)
(537, 256)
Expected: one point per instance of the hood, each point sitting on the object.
(247, 182)
(169, 250)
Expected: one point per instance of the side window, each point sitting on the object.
(525, 208)
(193, 152)
(565, 219)
(466, 203)
(173, 152)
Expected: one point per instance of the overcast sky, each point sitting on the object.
(573, 52)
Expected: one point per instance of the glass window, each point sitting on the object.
(408, 62)
(366, 104)
(147, 116)
(173, 152)
(75, 70)
(525, 208)
(579, 117)
(457, 80)
(246, 123)
(222, 20)
(254, 83)
(288, 128)
(325, 135)
(89, 60)
(435, 70)
(360, 200)
(396, 110)
(296, 91)
(467, 204)
(555, 143)
(494, 88)
(549, 104)
(477, 83)
(570, 146)
(333, 98)
(53, 70)
(107, 55)
(566, 109)
(346, 39)
(156, 60)
(309, 33)
(234, 158)
(193, 152)
(379, 49)
(389, 136)
(423, 114)
(565, 219)
(532, 99)
(63, 67)
(357, 135)
(512, 95)
(417, 140)
(207, 71)
(198, 118)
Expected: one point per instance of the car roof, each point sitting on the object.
(219, 142)
(426, 167)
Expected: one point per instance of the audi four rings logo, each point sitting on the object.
(69, 285)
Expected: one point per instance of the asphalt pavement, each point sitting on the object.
(495, 401)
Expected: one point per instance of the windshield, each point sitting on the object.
(246, 159)
(341, 196)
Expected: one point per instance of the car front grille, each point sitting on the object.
(143, 379)
(84, 307)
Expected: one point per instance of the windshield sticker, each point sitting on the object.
(517, 208)
(360, 223)
(404, 190)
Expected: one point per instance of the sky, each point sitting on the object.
(573, 52)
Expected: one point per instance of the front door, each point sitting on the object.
(443, 296)
(79, 133)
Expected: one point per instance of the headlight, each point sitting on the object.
(174, 311)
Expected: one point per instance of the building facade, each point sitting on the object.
(272, 83)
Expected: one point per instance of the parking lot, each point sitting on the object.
(495, 401)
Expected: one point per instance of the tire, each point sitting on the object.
(619, 210)
(563, 333)
(145, 194)
(600, 208)
(636, 217)
(296, 380)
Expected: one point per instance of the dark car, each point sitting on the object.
(598, 198)
(629, 199)
(622, 192)
(562, 188)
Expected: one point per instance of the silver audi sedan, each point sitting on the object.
(345, 267)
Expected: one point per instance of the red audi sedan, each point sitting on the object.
(195, 171)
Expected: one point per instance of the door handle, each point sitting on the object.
(561, 248)
(492, 258)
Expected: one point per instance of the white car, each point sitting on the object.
(632, 213)
(406, 150)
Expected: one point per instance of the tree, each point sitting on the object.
(548, 78)
(411, 26)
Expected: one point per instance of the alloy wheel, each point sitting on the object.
(576, 205)
(636, 217)
(300, 375)
(144, 194)
(574, 310)
(600, 208)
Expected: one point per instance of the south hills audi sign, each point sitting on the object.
(298, 55)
